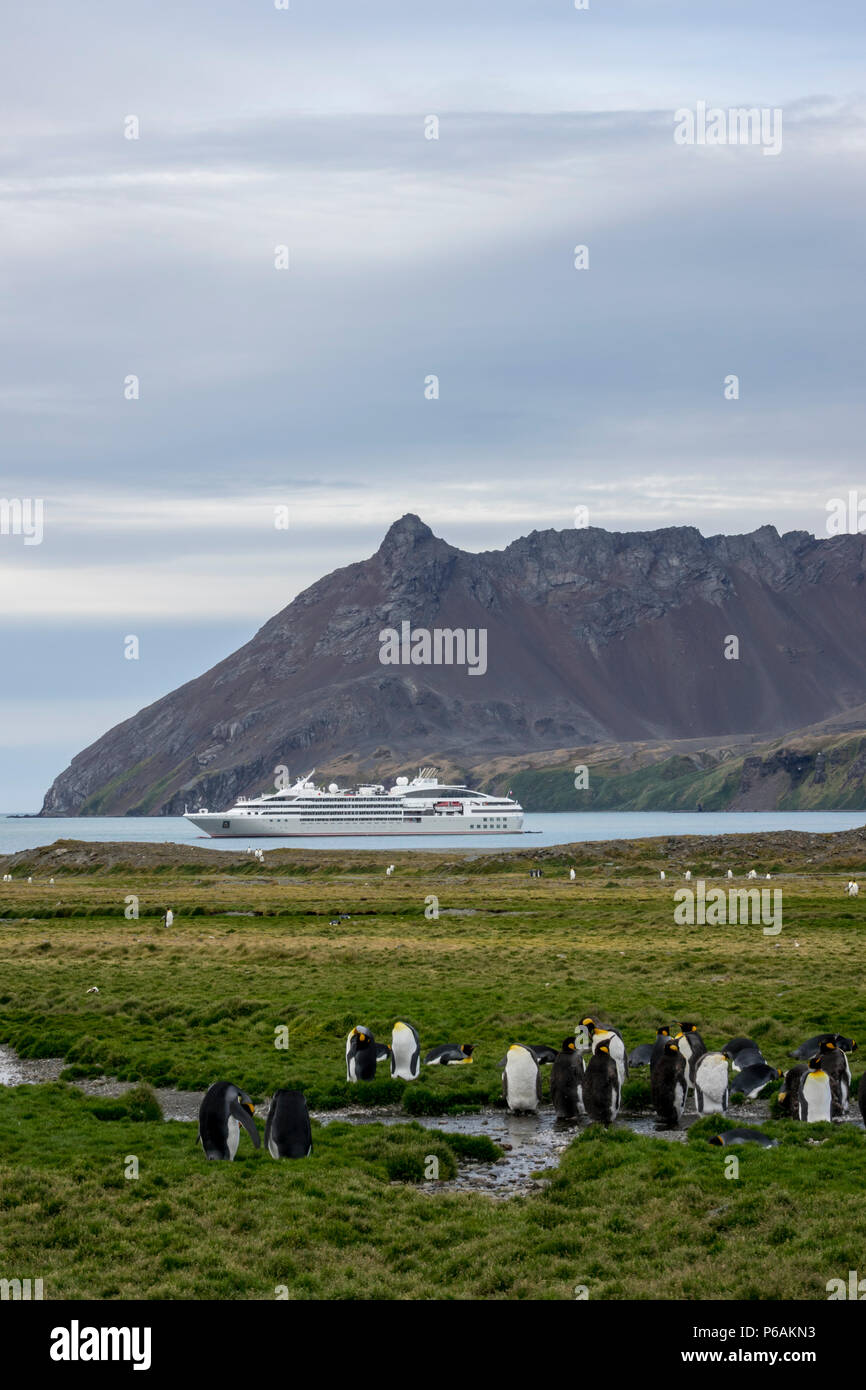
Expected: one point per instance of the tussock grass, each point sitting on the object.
(627, 1215)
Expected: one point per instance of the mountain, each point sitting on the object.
(591, 637)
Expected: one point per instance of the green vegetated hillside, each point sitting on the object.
(826, 774)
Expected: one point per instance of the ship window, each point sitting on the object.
(226, 825)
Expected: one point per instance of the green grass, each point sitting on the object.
(627, 1216)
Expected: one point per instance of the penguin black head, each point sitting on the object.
(827, 1046)
(717, 1139)
(688, 1027)
(603, 1047)
(568, 1044)
(663, 1032)
(671, 1047)
(364, 1038)
(467, 1049)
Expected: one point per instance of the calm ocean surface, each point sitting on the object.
(562, 828)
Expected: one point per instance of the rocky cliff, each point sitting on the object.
(590, 636)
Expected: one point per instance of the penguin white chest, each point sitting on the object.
(404, 1047)
(233, 1136)
(816, 1096)
(521, 1073)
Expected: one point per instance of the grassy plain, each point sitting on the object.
(508, 959)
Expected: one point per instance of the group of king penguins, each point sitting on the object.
(586, 1079)
(226, 1107)
(403, 1053)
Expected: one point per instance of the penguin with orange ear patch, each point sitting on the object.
(816, 1093)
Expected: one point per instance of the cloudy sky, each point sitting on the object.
(408, 257)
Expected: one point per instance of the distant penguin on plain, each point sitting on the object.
(360, 1054)
(221, 1110)
(601, 1088)
(572, 875)
(566, 1080)
(168, 918)
(662, 875)
(287, 1131)
(688, 875)
(711, 1084)
(730, 873)
(745, 1136)
(405, 1052)
(521, 1080)
(668, 1084)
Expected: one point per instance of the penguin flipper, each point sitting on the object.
(247, 1121)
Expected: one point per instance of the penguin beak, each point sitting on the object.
(244, 1113)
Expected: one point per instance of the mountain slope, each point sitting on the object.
(591, 636)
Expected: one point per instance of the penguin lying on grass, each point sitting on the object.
(744, 1136)
(752, 1080)
(222, 1109)
(449, 1054)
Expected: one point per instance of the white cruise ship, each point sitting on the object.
(424, 806)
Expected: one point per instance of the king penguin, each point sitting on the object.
(521, 1080)
(287, 1132)
(745, 1136)
(221, 1109)
(668, 1084)
(711, 1084)
(405, 1052)
(835, 1064)
(789, 1096)
(816, 1093)
(360, 1055)
(599, 1033)
(601, 1090)
(566, 1080)
(693, 1047)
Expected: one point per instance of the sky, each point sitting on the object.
(306, 388)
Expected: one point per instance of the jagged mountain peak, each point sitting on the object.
(590, 635)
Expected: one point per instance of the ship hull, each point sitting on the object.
(290, 827)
